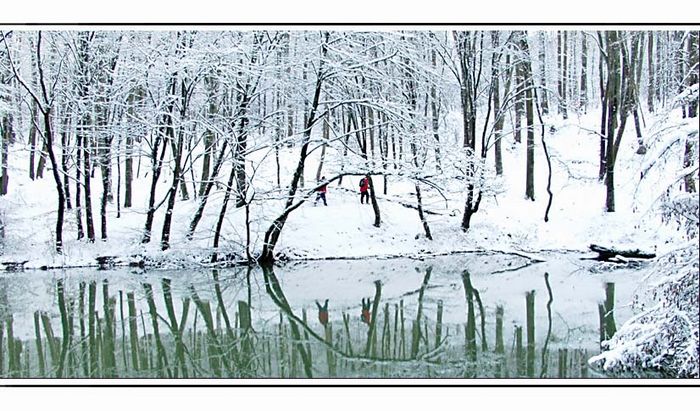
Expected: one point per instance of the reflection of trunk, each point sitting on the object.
(605, 310)
(273, 288)
(543, 371)
(471, 319)
(415, 343)
(530, 324)
(370, 349)
(162, 359)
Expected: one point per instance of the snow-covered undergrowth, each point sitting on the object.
(663, 338)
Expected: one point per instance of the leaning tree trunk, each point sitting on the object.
(275, 229)
(48, 134)
(172, 194)
(421, 215)
(207, 190)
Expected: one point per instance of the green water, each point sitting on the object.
(446, 317)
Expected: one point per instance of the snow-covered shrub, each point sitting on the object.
(683, 210)
(663, 338)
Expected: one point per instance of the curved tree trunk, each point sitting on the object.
(273, 232)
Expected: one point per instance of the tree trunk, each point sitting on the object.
(275, 229)
(565, 75)
(156, 167)
(176, 150)
(543, 73)
(105, 198)
(693, 60)
(651, 76)
(375, 204)
(212, 108)
(89, 226)
(128, 171)
(421, 215)
(435, 114)
(326, 136)
(32, 140)
(584, 73)
(498, 124)
(48, 134)
(78, 169)
(207, 190)
(6, 136)
(525, 69)
(222, 214)
(519, 99)
(42, 161)
(688, 161)
(530, 157)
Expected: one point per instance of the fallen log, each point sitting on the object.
(14, 265)
(612, 254)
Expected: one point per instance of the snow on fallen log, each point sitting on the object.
(618, 255)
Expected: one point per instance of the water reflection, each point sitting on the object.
(228, 324)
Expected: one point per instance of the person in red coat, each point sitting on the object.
(321, 192)
(364, 190)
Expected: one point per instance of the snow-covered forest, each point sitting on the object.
(208, 148)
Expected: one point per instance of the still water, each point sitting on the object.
(469, 316)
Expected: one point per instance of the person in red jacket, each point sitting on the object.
(321, 192)
(364, 190)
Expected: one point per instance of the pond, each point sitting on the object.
(479, 315)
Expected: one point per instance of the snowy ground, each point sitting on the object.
(505, 221)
